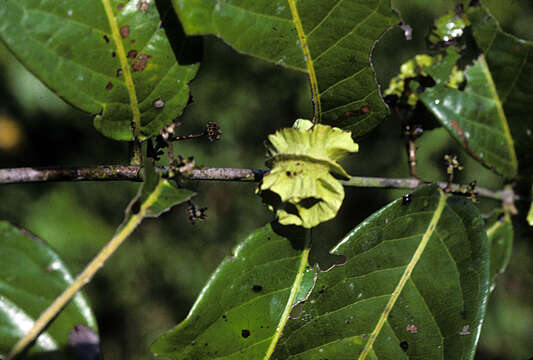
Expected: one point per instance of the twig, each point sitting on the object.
(411, 153)
(118, 172)
(134, 173)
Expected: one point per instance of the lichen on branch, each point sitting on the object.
(303, 187)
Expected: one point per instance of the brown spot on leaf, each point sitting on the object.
(109, 86)
(143, 5)
(465, 330)
(463, 137)
(119, 72)
(132, 54)
(120, 7)
(459, 131)
(113, 54)
(411, 328)
(132, 41)
(125, 31)
(365, 109)
(140, 63)
(106, 38)
(158, 104)
(404, 345)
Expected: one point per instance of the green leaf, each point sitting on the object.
(414, 286)
(156, 195)
(242, 310)
(330, 40)
(301, 187)
(530, 213)
(33, 275)
(500, 234)
(510, 61)
(109, 58)
(474, 116)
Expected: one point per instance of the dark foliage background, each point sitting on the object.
(150, 284)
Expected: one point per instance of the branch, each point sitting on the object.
(134, 173)
(118, 172)
(413, 183)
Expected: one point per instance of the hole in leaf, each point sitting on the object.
(132, 54)
(404, 345)
(136, 207)
(245, 333)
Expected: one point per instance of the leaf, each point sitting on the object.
(500, 234)
(32, 276)
(414, 286)
(331, 40)
(510, 61)
(530, 213)
(242, 310)
(155, 196)
(301, 187)
(474, 116)
(107, 58)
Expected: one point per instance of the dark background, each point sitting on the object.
(150, 283)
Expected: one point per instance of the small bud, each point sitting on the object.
(213, 131)
(194, 213)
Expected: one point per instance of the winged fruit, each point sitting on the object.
(303, 187)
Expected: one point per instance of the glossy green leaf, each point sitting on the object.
(414, 286)
(156, 195)
(33, 275)
(510, 61)
(474, 115)
(110, 58)
(242, 310)
(500, 234)
(331, 40)
(305, 173)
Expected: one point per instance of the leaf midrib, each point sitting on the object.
(308, 60)
(406, 275)
(288, 306)
(128, 78)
